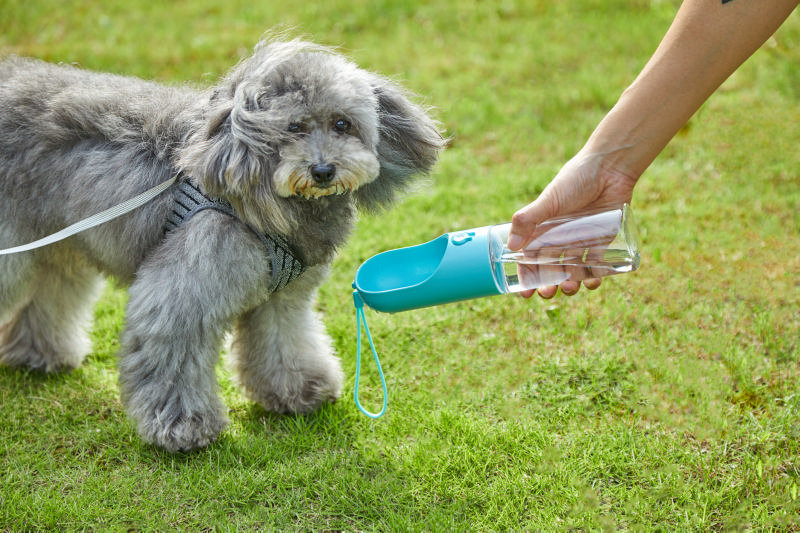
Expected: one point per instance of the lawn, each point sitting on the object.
(667, 400)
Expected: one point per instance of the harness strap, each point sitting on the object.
(189, 201)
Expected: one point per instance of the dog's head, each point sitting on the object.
(296, 120)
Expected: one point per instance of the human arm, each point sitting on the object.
(706, 43)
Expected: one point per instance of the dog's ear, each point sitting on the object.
(231, 154)
(223, 153)
(409, 143)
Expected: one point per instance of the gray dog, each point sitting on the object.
(272, 163)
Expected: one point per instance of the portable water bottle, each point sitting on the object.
(477, 262)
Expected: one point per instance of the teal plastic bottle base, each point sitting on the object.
(453, 267)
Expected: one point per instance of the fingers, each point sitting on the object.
(592, 283)
(568, 288)
(524, 222)
(520, 229)
(528, 293)
(548, 292)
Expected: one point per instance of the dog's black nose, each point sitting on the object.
(323, 173)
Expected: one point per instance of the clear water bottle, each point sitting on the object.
(477, 262)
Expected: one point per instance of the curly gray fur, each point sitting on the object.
(296, 138)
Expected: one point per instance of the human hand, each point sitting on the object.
(583, 183)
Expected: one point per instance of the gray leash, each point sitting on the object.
(95, 220)
(188, 201)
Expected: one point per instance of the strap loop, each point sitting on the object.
(361, 317)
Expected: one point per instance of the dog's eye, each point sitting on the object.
(294, 127)
(342, 126)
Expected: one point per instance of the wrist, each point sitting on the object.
(630, 137)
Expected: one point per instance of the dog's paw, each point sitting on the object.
(299, 393)
(18, 348)
(182, 433)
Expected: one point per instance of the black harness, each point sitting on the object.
(189, 201)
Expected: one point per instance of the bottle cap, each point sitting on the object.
(455, 266)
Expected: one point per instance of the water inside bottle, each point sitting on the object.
(531, 272)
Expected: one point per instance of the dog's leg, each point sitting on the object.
(283, 356)
(185, 297)
(46, 309)
(167, 365)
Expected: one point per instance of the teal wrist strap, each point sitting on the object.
(361, 317)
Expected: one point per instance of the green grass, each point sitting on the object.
(665, 401)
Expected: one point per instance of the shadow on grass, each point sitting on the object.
(84, 404)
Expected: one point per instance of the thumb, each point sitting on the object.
(524, 222)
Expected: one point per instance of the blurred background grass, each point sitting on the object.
(666, 399)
